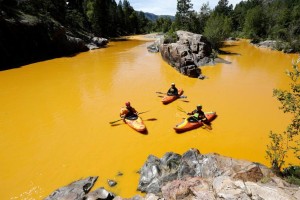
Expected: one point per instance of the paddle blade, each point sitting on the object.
(115, 124)
(185, 101)
(161, 93)
(207, 126)
(181, 110)
(150, 119)
(115, 121)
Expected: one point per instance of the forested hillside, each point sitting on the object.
(258, 20)
(255, 19)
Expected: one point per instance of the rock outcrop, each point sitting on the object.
(186, 55)
(193, 176)
(211, 176)
(274, 45)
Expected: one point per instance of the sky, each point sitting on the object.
(168, 7)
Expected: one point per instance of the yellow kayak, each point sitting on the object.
(136, 123)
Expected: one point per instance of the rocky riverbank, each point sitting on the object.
(193, 176)
(26, 39)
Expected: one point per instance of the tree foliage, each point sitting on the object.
(104, 18)
(183, 14)
(217, 29)
(260, 19)
(282, 143)
(254, 25)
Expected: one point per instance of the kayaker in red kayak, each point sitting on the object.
(173, 91)
(128, 111)
(198, 115)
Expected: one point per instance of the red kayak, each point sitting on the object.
(168, 99)
(190, 123)
(136, 123)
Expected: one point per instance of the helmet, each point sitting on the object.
(173, 84)
(127, 103)
(199, 106)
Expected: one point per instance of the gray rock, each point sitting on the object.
(111, 183)
(99, 194)
(99, 42)
(74, 191)
(187, 54)
(211, 176)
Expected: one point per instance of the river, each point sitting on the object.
(55, 115)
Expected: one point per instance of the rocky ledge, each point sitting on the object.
(193, 176)
(26, 39)
(274, 45)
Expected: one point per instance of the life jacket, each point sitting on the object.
(196, 115)
(125, 111)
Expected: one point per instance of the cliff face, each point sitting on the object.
(26, 39)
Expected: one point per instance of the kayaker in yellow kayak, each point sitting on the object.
(198, 115)
(128, 111)
(173, 91)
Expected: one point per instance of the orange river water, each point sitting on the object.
(54, 117)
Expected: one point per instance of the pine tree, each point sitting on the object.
(183, 14)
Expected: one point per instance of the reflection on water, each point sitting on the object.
(55, 115)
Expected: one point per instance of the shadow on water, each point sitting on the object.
(119, 39)
(12, 63)
(229, 45)
(118, 124)
(222, 52)
(228, 53)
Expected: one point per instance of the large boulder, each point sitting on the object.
(210, 176)
(186, 55)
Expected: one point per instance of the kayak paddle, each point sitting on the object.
(122, 118)
(150, 119)
(182, 96)
(206, 125)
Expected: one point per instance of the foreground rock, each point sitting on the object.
(193, 176)
(187, 54)
(79, 190)
(75, 190)
(211, 176)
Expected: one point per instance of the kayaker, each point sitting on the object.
(198, 114)
(128, 111)
(173, 91)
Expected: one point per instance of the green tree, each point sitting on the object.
(128, 23)
(217, 29)
(255, 23)
(120, 23)
(143, 22)
(204, 14)
(162, 24)
(223, 8)
(100, 18)
(282, 143)
(183, 14)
